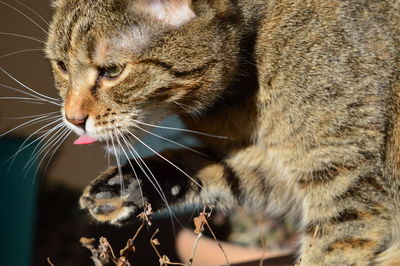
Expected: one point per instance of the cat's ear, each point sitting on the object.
(172, 12)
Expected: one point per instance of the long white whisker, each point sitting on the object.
(118, 165)
(30, 102)
(27, 100)
(67, 133)
(140, 162)
(183, 130)
(28, 123)
(55, 101)
(21, 51)
(108, 153)
(38, 131)
(133, 169)
(23, 147)
(21, 36)
(23, 14)
(33, 11)
(63, 135)
(32, 116)
(36, 153)
(26, 87)
(136, 157)
(170, 140)
(178, 168)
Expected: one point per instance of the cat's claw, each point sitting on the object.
(112, 198)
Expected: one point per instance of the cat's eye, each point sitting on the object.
(61, 65)
(111, 72)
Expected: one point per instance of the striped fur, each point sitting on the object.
(307, 93)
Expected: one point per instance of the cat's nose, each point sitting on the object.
(77, 121)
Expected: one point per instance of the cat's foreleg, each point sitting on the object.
(174, 178)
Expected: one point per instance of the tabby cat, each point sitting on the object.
(306, 92)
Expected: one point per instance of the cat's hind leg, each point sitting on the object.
(391, 256)
(347, 222)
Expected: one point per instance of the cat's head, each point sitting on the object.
(117, 62)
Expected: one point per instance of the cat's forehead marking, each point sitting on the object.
(88, 35)
(120, 47)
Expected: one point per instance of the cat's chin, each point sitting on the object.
(120, 150)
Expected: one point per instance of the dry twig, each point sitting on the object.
(49, 261)
(104, 253)
(199, 223)
(164, 260)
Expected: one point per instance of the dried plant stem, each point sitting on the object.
(164, 260)
(137, 232)
(196, 242)
(49, 261)
(218, 243)
(129, 247)
(155, 242)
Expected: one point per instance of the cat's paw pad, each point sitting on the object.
(112, 198)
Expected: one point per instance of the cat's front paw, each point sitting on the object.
(113, 198)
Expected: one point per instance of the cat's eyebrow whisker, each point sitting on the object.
(33, 11)
(25, 15)
(178, 168)
(20, 51)
(172, 141)
(182, 129)
(139, 161)
(22, 36)
(55, 101)
(29, 123)
(26, 87)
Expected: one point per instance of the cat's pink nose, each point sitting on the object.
(77, 121)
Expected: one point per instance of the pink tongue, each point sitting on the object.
(85, 139)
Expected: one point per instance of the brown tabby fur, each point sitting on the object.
(307, 93)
